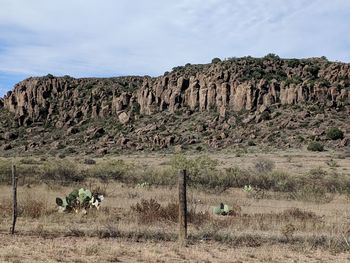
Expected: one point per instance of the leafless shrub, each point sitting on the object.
(33, 208)
(150, 211)
(297, 213)
(264, 165)
(108, 231)
(288, 231)
(28, 207)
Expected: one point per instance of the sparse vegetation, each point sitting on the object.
(215, 60)
(334, 134)
(315, 147)
(292, 208)
(252, 117)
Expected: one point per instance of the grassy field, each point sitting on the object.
(280, 220)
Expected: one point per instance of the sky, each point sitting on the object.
(105, 38)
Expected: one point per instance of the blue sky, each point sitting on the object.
(138, 37)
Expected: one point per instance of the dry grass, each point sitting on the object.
(273, 228)
(267, 222)
(72, 249)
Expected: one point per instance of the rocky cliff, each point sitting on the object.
(238, 90)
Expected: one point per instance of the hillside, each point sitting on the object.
(239, 102)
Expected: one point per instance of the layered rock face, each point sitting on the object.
(66, 100)
(229, 86)
(268, 102)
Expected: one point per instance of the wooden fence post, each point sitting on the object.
(182, 208)
(14, 200)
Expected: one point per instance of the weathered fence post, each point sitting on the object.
(182, 208)
(14, 200)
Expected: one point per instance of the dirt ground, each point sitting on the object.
(295, 161)
(70, 249)
(54, 237)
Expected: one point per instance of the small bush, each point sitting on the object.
(251, 143)
(62, 172)
(264, 165)
(29, 161)
(315, 147)
(334, 134)
(28, 207)
(297, 213)
(114, 170)
(5, 207)
(272, 56)
(203, 170)
(288, 231)
(109, 231)
(265, 116)
(215, 60)
(150, 211)
(312, 193)
(33, 208)
(89, 161)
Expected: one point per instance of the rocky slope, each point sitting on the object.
(239, 101)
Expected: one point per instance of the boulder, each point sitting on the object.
(123, 118)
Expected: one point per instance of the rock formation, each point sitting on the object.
(236, 85)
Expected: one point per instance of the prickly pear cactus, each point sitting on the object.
(75, 200)
(222, 210)
(72, 198)
(84, 195)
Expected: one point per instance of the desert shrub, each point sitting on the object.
(293, 63)
(264, 165)
(111, 170)
(29, 161)
(202, 169)
(215, 60)
(312, 193)
(34, 208)
(63, 172)
(313, 70)
(265, 116)
(288, 231)
(272, 56)
(49, 76)
(315, 186)
(27, 207)
(28, 173)
(251, 143)
(150, 211)
(334, 134)
(332, 182)
(5, 207)
(283, 182)
(275, 181)
(151, 176)
(5, 172)
(89, 161)
(297, 213)
(108, 231)
(315, 147)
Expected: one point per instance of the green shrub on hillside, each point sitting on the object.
(315, 147)
(334, 134)
(215, 60)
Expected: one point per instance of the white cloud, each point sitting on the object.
(108, 38)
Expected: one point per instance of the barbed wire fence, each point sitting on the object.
(14, 178)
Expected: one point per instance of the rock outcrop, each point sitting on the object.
(233, 86)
